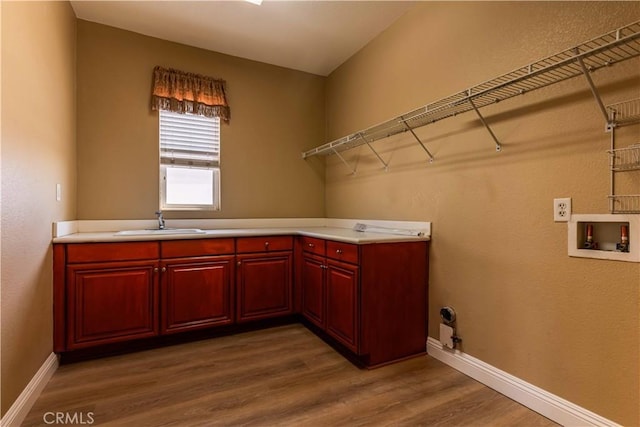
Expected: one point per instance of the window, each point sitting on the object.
(189, 162)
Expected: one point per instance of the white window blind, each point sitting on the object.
(189, 162)
(187, 139)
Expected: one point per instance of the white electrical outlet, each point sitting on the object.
(562, 209)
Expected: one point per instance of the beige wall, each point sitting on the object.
(275, 114)
(38, 151)
(569, 326)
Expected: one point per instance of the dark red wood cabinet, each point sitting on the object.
(370, 298)
(313, 288)
(343, 305)
(264, 277)
(106, 293)
(330, 296)
(196, 285)
(110, 294)
(111, 302)
(196, 293)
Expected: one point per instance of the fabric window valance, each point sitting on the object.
(182, 92)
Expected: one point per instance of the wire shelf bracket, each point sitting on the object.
(386, 165)
(603, 51)
(337, 153)
(486, 125)
(592, 86)
(410, 129)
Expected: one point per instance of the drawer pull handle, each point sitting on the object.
(338, 251)
(311, 245)
(266, 244)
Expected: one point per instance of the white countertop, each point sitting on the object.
(329, 233)
(334, 229)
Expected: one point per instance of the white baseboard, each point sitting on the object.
(21, 407)
(551, 406)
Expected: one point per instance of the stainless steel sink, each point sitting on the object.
(159, 232)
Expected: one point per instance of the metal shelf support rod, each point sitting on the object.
(486, 125)
(386, 166)
(592, 86)
(353, 171)
(612, 174)
(410, 129)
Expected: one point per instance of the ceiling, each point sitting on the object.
(312, 36)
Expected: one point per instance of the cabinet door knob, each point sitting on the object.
(266, 244)
(338, 251)
(311, 245)
(239, 263)
(164, 269)
(155, 270)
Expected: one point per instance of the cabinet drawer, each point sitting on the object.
(196, 247)
(264, 244)
(346, 252)
(313, 245)
(96, 252)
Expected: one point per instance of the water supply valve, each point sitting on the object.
(448, 337)
(448, 315)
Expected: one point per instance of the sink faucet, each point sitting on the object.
(160, 220)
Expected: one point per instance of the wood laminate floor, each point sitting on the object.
(283, 376)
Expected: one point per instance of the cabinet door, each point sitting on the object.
(313, 289)
(263, 286)
(111, 302)
(343, 312)
(196, 293)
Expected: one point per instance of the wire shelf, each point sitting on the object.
(603, 51)
(625, 159)
(627, 204)
(625, 112)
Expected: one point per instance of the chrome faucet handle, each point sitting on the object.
(160, 220)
